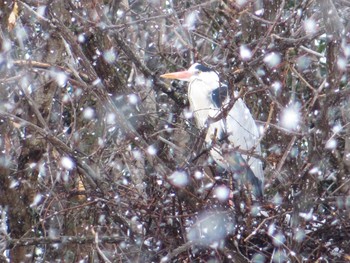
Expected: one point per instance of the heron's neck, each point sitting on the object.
(199, 97)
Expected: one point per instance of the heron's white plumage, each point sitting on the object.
(239, 124)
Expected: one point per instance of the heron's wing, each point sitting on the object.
(242, 170)
(241, 126)
(243, 133)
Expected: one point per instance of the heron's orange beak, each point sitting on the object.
(180, 75)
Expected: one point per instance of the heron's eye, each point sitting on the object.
(197, 72)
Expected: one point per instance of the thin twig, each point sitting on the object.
(271, 28)
(285, 155)
(302, 78)
(99, 251)
(62, 240)
(310, 51)
(258, 227)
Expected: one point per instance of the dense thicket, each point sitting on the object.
(93, 141)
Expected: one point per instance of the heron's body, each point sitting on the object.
(207, 97)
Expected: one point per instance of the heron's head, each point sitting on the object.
(195, 72)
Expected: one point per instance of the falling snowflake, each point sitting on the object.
(246, 53)
(152, 150)
(88, 113)
(222, 193)
(109, 56)
(310, 26)
(67, 163)
(272, 59)
(179, 179)
(290, 117)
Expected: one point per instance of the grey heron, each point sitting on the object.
(207, 97)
